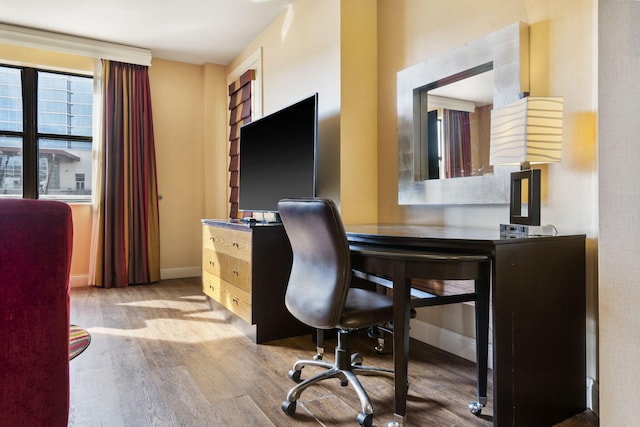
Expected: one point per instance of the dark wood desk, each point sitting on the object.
(539, 319)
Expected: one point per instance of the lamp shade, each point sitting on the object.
(528, 130)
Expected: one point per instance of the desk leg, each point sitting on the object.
(482, 343)
(401, 316)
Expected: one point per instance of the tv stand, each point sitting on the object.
(245, 271)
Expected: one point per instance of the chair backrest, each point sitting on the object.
(321, 271)
(35, 260)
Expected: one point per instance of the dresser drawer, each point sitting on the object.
(229, 268)
(233, 298)
(236, 243)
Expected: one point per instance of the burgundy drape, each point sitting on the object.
(128, 247)
(239, 114)
(457, 143)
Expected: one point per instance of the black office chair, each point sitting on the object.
(319, 294)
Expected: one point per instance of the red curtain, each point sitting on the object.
(127, 244)
(457, 143)
(239, 114)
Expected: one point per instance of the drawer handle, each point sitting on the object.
(235, 300)
(212, 288)
(235, 272)
(212, 263)
(235, 244)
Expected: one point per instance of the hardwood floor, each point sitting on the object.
(160, 357)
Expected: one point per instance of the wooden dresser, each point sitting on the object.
(245, 269)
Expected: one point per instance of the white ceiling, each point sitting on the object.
(192, 31)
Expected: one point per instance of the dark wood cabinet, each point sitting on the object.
(539, 312)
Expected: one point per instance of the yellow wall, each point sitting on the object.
(215, 158)
(301, 56)
(17, 55)
(358, 113)
(329, 47)
(81, 213)
(178, 121)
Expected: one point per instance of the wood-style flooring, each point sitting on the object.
(160, 357)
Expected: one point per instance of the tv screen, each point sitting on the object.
(278, 157)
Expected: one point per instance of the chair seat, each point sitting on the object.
(364, 308)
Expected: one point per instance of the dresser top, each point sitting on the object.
(239, 224)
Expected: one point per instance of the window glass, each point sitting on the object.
(65, 104)
(59, 165)
(63, 135)
(10, 99)
(10, 166)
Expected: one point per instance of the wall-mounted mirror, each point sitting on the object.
(444, 109)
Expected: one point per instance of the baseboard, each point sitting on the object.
(180, 273)
(81, 280)
(449, 341)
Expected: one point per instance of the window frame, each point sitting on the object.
(30, 135)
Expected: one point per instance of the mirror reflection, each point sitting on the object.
(455, 126)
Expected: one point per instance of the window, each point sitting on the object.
(79, 181)
(45, 134)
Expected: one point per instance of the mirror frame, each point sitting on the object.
(508, 50)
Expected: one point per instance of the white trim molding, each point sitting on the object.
(253, 61)
(180, 272)
(39, 39)
(79, 280)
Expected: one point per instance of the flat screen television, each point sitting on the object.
(278, 157)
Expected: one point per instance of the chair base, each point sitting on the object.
(346, 368)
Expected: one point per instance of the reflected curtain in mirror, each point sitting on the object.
(126, 238)
(457, 142)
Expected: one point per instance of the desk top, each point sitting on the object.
(408, 234)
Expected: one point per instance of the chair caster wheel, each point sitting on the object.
(295, 375)
(289, 408)
(356, 359)
(365, 420)
(475, 408)
(374, 332)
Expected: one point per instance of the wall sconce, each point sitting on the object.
(525, 132)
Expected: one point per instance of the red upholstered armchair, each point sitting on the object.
(35, 259)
